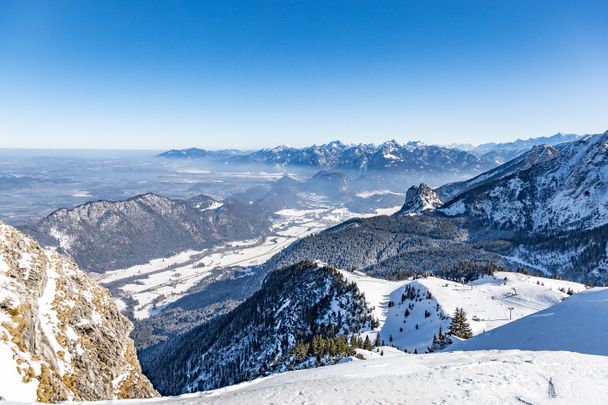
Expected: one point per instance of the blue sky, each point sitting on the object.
(163, 74)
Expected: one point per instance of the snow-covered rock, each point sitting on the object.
(418, 199)
(61, 335)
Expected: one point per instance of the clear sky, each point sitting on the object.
(167, 74)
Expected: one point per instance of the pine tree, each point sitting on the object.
(440, 341)
(301, 350)
(378, 342)
(367, 344)
(460, 326)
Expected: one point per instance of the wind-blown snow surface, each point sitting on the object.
(486, 302)
(579, 324)
(484, 377)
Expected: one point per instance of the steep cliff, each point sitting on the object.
(61, 335)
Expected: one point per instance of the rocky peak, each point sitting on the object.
(61, 335)
(420, 198)
(540, 154)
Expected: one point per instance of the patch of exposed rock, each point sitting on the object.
(61, 335)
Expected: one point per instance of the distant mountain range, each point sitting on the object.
(503, 152)
(391, 155)
(546, 210)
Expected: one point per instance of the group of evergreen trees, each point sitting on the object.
(331, 347)
(440, 341)
(459, 328)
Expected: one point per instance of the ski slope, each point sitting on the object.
(486, 301)
(579, 324)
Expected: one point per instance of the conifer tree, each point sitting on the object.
(460, 326)
(378, 341)
(367, 344)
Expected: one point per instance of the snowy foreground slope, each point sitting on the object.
(579, 324)
(484, 377)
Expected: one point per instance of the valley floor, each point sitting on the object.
(161, 281)
(482, 377)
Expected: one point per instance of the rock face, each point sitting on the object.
(61, 335)
(419, 199)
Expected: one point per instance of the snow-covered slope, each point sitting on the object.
(61, 336)
(579, 324)
(564, 189)
(537, 154)
(431, 301)
(485, 377)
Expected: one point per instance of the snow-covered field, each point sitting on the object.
(579, 324)
(164, 280)
(488, 302)
(482, 377)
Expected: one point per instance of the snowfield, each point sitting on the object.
(486, 301)
(482, 377)
(579, 324)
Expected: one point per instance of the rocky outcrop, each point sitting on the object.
(420, 198)
(61, 335)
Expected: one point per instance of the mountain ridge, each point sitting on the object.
(390, 155)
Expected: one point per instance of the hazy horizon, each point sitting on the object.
(261, 146)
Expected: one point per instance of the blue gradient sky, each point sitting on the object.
(164, 74)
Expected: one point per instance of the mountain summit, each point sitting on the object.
(420, 198)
